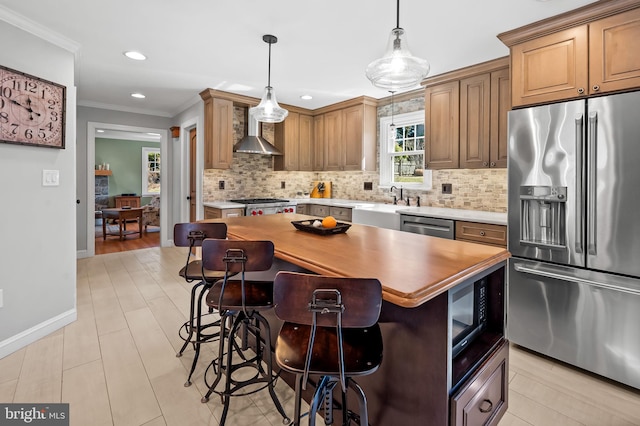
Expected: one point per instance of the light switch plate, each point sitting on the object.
(50, 177)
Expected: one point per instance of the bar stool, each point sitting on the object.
(239, 303)
(330, 329)
(192, 235)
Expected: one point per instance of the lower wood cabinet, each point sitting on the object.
(318, 210)
(483, 398)
(215, 213)
(342, 214)
(302, 208)
(485, 233)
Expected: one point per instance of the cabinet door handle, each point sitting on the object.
(486, 406)
(580, 91)
(485, 164)
(493, 164)
(482, 233)
(596, 87)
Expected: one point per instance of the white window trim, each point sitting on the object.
(145, 158)
(386, 172)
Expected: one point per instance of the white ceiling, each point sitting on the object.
(323, 46)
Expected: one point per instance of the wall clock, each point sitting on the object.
(32, 110)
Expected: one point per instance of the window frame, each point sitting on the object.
(386, 153)
(146, 150)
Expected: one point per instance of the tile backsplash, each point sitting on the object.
(252, 175)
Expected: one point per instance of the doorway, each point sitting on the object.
(92, 128)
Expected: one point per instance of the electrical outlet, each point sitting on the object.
(447, 188)
(283, 185)
(220, 184)
(368, 186)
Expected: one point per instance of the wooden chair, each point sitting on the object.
(193, 331)
(240, 302)
(330, 330)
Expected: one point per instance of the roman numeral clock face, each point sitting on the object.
(32, 110)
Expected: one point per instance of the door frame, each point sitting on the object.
(183, 170)
(91, 184)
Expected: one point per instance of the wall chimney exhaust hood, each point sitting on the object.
(253, 143)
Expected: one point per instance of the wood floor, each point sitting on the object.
(116, 364)
(151, 238)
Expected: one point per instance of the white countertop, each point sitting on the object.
(223, 205)
(437, 212)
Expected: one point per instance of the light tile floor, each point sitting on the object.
(116, 364)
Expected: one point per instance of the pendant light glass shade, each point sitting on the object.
(398, 69)
(268, 110)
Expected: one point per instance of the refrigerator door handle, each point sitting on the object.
(592, 139)
(548, 272)
(579, 121)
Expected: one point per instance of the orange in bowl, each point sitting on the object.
(329, 222)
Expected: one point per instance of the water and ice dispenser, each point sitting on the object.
(542, 216)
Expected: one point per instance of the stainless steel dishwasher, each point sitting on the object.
(443, 228)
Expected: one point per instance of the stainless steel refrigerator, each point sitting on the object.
(574, 233)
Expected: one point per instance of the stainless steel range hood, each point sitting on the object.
(253, 143)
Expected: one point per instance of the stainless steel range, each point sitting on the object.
(264, 206)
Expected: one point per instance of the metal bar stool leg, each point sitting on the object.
(190, 325)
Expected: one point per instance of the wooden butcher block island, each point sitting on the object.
(420, 382)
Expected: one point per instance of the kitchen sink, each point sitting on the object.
(380, 215)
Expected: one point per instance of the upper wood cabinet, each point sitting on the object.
(218, 126)
(287, 140)
(614, 47)
(318, 142)
(294, 137)
(218, 132)
(589, 51)
(500, 107)
(306, 143)
(466, 117)
(442, 130)
(349, 139)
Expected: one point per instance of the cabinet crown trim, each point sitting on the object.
(481, 68)
(583, 15)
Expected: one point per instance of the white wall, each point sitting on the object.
(192, 117)
(37, 224)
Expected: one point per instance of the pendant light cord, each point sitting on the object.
(392, 107)
(269, 71)
(398, 14)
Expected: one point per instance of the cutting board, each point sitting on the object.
(324, 194)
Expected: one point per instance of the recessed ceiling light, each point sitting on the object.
(306, 97)
(138, 95)
(135, 55)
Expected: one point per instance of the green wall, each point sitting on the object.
(125, 160)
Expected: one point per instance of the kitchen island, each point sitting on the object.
(418, 383)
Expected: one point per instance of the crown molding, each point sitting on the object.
(38, 30)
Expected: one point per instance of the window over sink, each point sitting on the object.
(402, 152)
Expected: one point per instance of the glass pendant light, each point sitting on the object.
(268, 110)
(398, 69)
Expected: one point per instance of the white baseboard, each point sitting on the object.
(20, 340)
(81, 254)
